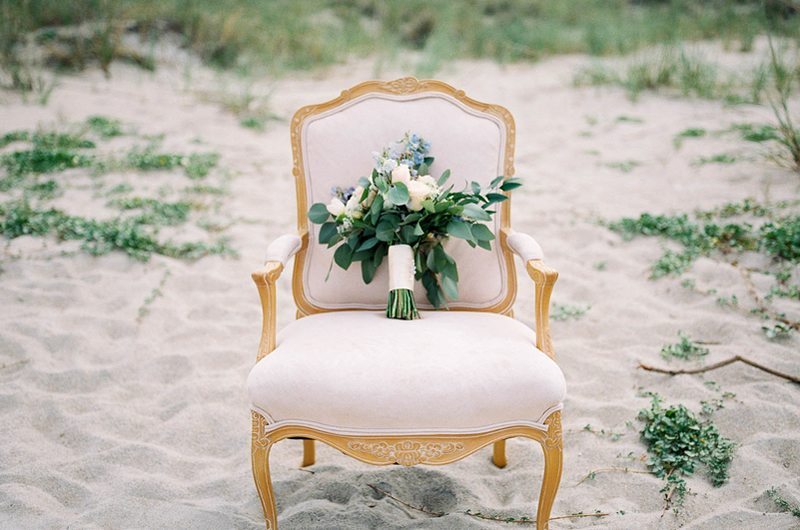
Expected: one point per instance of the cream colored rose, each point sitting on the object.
(401, 174)
(428, 180)
(417, 192)
(353, 206)
(335, 207)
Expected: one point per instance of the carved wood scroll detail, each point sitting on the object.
(408, 452)
(260, 438)
(553, 438)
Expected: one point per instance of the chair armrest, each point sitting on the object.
(283, 248)
(278, 253)
(524, 246)
(544, 278)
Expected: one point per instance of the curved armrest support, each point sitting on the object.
(544, 278)
(278, 253)
(265, 283)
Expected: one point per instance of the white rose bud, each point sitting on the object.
(401, 174)
(335, 207)
(366, 203)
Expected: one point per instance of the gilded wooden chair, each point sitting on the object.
(429, 391)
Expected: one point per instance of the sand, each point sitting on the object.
(112, 420)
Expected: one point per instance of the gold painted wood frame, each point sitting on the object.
(403, 449)
(408, 451)
(403, 86)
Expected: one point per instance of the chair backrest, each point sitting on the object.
(332, 144)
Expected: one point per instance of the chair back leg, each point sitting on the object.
(309, 453)
(499, 455)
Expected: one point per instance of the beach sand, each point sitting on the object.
(115, 419)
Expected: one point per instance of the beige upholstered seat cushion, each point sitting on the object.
(358, 371)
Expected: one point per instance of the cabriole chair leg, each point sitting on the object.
(309, 453)
(552, 446)
(499, 456)
(259, 452)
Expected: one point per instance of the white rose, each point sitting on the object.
(353, 206)
(428, 181)
(335, 207)
(401, 174)
(417, 192)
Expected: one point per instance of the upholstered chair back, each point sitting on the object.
(332, 146)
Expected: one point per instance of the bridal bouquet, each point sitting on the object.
(400, 210)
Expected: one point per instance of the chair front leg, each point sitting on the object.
(259, 452)
(552, 446)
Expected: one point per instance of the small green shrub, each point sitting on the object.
(782, 504)
(567, 312)
(104, 127)
(782, 238)
(685, 349)
(678, 443)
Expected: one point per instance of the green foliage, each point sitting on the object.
(626, 166)
(99, 236)
(51, 160)
(697, 239)
(567, 312)
(782, 504)
(678, 443)
(777, 330)
(781, 238)
(692, 132)
(195, 165)
(685, 349)
(751, 132)
(153, 211)
(719, 158)
(104, 127)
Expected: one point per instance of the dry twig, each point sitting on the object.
(726, 362)
(594, 472)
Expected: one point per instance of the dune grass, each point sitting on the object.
(285, 34)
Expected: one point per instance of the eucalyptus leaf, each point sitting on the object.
(368, 244)
(376, 208)
(368, 269)
(459, 229)
(511, 184)
(476, 212)
(450, 287)
(476, 187)
(343, 256)
(443, 178)
(495, 182)
(495, 197)
(326, 232)
(481, 232)
(385, 231)
(398, 194)
(318, 213)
